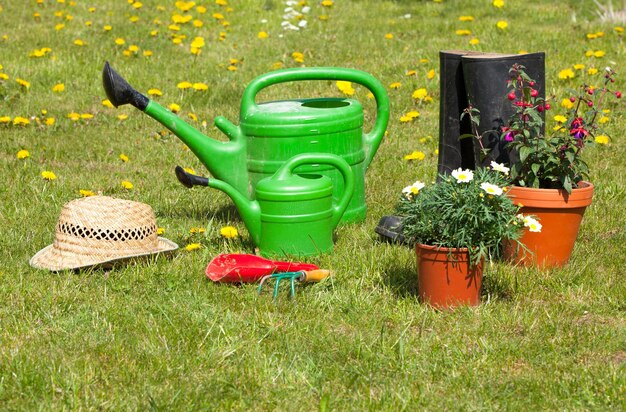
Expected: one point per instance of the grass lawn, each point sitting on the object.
(159, 335)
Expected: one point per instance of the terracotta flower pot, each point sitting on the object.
(447, 280)
(560, 215)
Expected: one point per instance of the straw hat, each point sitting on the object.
(101, 230)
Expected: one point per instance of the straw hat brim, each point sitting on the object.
(55, 260)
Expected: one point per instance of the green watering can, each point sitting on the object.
(294, 214)
(270, 133)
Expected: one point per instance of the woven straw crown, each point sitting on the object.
(100, 230)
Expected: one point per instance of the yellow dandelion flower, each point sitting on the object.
(123, 157)
(147, 53)
(153, 33)
(298, 57)
(107, 103)
(413, 114)
(589, 53)
(122, 117)
(579, 66)
(431, 74)
(327, 3)
(49, 121)
(174, 107)
(566, 103)
(48, 175)
(133, 48)
(5, 119)
(411, 73)
(345, 87)
(197, 23)
(262, 35)
(189, 170)
(86, 116)
(200, 86)
(599, 53)
(137, 5)
(58, 88)
(229, 232)
(4, 76)
(502, 25)
(23, 83)
(23, 154)
(474, 41)
(59, 26)
(566, 74)
(420, 94)
(160, 231)
(603, 120)
(86, 193)
(127, 185)
(79, 42)
(198, 42)
(107, 27)
(218, 16)
(20, 121)
(466, 18)
(155, 92)
(559, 118)
(389, 36)
(192, 116)
(184, 85)
(395, 85)
(591, 71)
(618, 30)
(602, 139)
(416, 155)
(498, 3)
(197, 230)
(406, 119)
(463, 32)
(120, 41)
(192, 246)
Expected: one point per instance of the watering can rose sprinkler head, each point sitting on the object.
(119, 91)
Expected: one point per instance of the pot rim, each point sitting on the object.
(553, 198)
(442, 248)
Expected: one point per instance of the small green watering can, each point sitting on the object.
(270, 133)
(294, 214)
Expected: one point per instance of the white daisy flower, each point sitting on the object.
(463, 176)
(491, 189)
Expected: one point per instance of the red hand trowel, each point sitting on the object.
(242, 268)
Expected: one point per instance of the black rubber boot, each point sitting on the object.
(480, 79)
(453, 153)
(485, 77)
(390, 229)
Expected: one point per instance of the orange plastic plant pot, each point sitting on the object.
(445, 279)
(560, 215)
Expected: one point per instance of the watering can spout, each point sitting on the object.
(225, 160)
(119, 91)
(249, 210)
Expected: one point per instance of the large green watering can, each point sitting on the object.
(270, 133)
(294, 214)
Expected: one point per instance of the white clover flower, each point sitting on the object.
(306, 9)
(302, 24)
(463, 176)
(500, 167)
(608, 69)
(491, 189)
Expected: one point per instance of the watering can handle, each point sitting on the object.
(287, 169)
(371, 140)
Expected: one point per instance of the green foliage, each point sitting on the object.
(456, 214)
(551, 161)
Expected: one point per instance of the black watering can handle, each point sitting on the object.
(371, 140)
